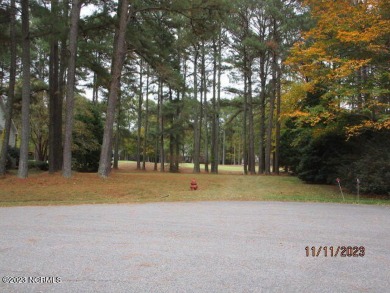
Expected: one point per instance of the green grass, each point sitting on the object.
(128, 185)
(222, 168)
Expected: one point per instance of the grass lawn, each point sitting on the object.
(127, 185)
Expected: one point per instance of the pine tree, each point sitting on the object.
(11, 89)
(73, 35)
(116, 69)
(25, 133)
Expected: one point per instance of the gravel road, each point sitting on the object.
(195, 247)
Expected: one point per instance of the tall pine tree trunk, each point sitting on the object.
(217, 126)
(55, 102)
(117, 136)
(63, 65)
(139, 114)
(204, 98)
(11, 91)
(172, 135)
(95, 89)
(156, 152)
(25, 137)
(251, 149)
(116, 69)
(224, 148)
(262, 115)
(178, 136)
(146, 121)
(268, 147)
(245, 115)
(161, 126)
(197, 127)
(181, 93)
(214, 121)
(206, 135)
(67, 153)
(277, 133)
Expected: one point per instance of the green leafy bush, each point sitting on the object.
(321, 158)
(87, 137)
(13, 154)
(40, 165)
(372, 168)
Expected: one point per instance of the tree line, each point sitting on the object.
(266, 84)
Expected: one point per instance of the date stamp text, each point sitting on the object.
(335, 251)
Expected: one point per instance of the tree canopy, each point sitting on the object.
(267, 84)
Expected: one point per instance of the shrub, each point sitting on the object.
(87, 137)
(372, 168)
(39, 165)
(321, 158)
(13, 154)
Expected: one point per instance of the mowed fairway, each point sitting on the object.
(127, 185)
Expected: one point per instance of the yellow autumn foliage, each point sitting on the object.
(368, 125)
(344, 29)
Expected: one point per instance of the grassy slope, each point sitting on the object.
(127, 185)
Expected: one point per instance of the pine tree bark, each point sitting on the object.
(25, 135)
(197, 127)
(95, 89)
(161, 126)
(278, 126)
(117, 137)
(55, 102)
(206, 135)
(146, 121)
(172, 135)
(73, 35)
(263, 25)
(205, 106)
(178, 136)
(155, 154)
(251, 147)
(139, 114)
(116, 148)
(11, 91)
(181, 93)
(214, 121)
(116, 69)
(268, 147)
(63, 64)
(245, 117)
(156, 149)
(262, 115)
(217, 125)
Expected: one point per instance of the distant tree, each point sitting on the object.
(73, 35)
(11, 88)
(349, 57)
(25, 132)
(371, 167)
(55, 101)
(39, 119)
(146, 122)
(343, 65)
(240, 28)
(139, 114)
(197, 123)
(88, 136)
(215, 126)
(116, 69)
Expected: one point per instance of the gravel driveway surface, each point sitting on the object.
(195, 247)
